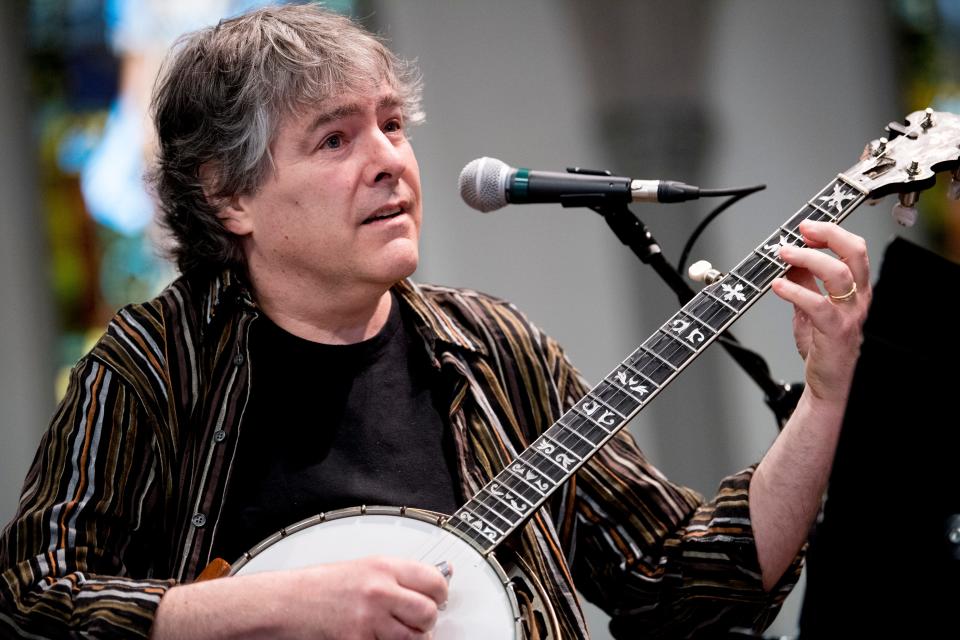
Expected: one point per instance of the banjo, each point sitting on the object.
(483, 601)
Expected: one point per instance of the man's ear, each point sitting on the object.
(235, 216)
(232, 212)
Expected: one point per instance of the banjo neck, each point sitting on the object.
(508, 500)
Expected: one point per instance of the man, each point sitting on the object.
(293, 369)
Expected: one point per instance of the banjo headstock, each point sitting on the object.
(926, 143)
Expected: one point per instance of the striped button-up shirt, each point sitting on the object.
(125, 495)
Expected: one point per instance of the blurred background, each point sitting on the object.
(726, 93)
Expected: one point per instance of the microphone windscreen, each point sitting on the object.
(483, 184)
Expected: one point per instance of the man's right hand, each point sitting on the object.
(371, 598)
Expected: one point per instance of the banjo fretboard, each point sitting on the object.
(507, 501)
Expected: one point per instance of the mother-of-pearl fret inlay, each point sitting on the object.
(612, 411)
(530, 477)
(773, 247)
(598, 412)
(836, 199)
(510, 498)
(628, 380)
(564, 448)
(733, 292)
(517, 491)
(550, 452)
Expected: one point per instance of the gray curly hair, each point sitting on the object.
(219, 101)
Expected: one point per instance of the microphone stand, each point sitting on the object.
(781, 397)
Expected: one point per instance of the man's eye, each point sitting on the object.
(392, 125)
(332, 142)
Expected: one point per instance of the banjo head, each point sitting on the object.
(481, 602)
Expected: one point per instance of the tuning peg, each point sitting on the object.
(880, 148)
(953, 190)
(905, 210)
(703, 271)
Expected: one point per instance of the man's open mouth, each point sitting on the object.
(383, 216)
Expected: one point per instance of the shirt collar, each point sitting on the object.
(436, 324)
(228, 289)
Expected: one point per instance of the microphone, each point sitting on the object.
(487, 184)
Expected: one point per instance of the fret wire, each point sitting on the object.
(527, 505)
(770, 275)
(580, 429)
(576, 430)
(516, 474)
(569, 444)
(565, 429)
(582, 437)
(491, 509)
(494, 514)
(694, 349)
(539, 476)
(547, 436)
(807, 212)
(520, 513)
(658, 357)
(589, 417)
(639, 373)
(507, 482)
(481, 519)
(597, 398)
(774, 261)
(700, 322)
(796, 235)
(536, 463)
(822, 210)
(766, 256)
(485, 493)
(769, 262)
(745, 280)
(670, 333)
(465, 527)
(714, 311)
(523, 492)
(708, 293)
(552, 461)
(624, 388)
(690, 350)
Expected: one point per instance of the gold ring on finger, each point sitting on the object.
(846, 296)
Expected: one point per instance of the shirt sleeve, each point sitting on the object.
(657, 556)
(84, 525)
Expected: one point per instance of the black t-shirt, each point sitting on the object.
(335, 426)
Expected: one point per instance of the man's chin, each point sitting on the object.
(400, 267)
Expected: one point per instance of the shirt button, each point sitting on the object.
(219, 435)
(238, 359)
(198, 520)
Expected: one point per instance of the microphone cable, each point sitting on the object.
(737, 194)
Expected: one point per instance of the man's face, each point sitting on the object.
(342, 206)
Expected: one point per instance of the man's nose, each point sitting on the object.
(386, 161)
